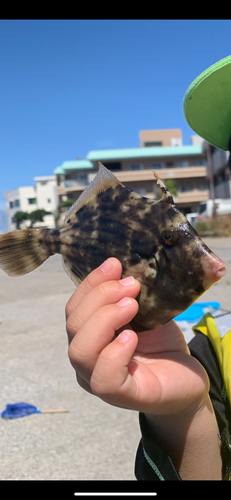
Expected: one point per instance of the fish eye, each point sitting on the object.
(169, 236)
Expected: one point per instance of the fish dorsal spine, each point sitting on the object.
(103, 181)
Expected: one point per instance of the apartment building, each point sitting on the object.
(160, 150)
(42, 195)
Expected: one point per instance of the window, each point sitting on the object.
(157, 164)
(15, 203)
(202, 187)
(113, 165)
(32, 201)
(200, 163)
(81, 178)
(48, 200)
(202, 207)
(184, 188)
(182, 163)
(136, 166)
(151, 144)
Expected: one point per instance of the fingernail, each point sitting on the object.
(127, 281)
(126, 301)
(107, 265)
(124, 336)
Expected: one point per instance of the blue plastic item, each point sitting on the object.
(21, 409)
(196, 311)
(17, 410)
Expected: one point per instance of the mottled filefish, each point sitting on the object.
(153, 241)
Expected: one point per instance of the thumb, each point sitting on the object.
(111, 379)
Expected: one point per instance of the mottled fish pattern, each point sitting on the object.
(153, 241)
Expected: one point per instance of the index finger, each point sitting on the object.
(111, 269)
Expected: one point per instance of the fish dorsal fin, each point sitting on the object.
(166, 194)
(103, 181)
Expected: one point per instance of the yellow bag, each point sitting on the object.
(218, 330)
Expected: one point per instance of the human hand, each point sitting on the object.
(152, 372)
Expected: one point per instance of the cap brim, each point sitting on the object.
(207, 104)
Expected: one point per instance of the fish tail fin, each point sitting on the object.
(21, 251)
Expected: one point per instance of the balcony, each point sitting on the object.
(193, 196)
(164, 174)
(70, 186)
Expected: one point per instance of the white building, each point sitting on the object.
(27, 199)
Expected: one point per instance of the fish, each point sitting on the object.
(152, 239)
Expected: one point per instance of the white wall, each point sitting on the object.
(46, 193)
(26, 194)
(43, 193)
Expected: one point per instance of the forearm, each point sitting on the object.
(192, 442)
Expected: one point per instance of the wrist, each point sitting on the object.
(191, 441)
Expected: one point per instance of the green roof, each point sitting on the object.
(59, 171)
(73, 165)
(148, 152)
(127, 154)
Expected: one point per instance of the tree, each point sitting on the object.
(171, 186)
(19, 217)
(36, 216)
(63, 207)
(66, 204)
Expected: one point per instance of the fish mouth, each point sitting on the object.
(214, 269)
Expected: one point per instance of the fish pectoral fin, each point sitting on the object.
(67, 264)
(103, 181)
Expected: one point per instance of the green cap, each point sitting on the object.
(207, 104)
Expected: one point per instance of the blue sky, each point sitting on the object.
(68, 87)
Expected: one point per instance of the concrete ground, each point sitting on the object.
(92, 441)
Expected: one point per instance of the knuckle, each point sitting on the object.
(102, 289)
(90, 281)
(68, 308)
(73, 323)
(103, 389)
(99, 387)
(74, 356)
(105, 315)
(70, 328)
(102, 383)
(110, 291)
(72, 302)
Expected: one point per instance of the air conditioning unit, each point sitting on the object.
(176, 141)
